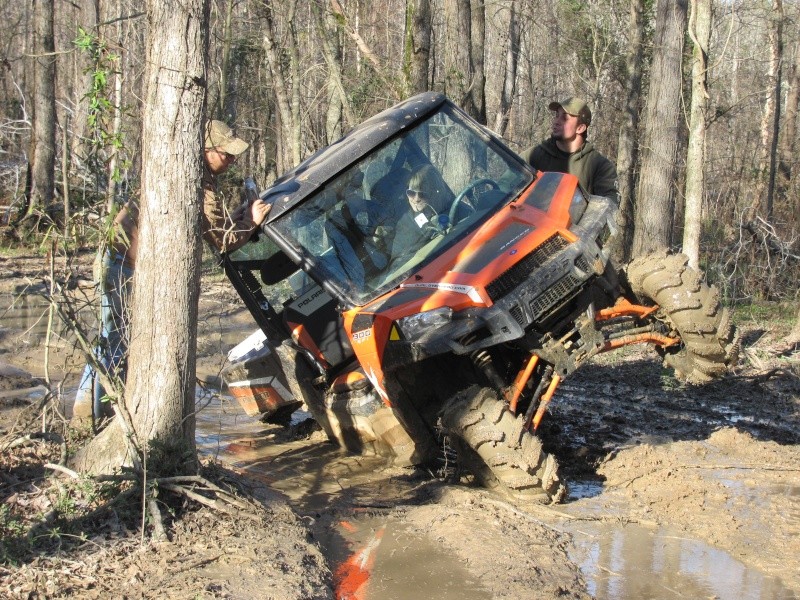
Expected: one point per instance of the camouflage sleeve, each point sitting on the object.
(223, 230)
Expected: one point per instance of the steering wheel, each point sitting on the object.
(461, 198)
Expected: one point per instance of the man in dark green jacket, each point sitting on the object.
(567, 150)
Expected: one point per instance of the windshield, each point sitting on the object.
(370, 227)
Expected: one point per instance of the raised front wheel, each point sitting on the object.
(709, 341)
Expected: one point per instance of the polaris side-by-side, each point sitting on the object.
(396, 326)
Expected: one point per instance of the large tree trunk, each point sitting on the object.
(44, 120)
(627, 150)
(700, 30)
(655, 199)
(418, 44)
(160, 391)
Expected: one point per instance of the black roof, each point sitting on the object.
(321, 167)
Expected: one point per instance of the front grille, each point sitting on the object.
(517, 314)
(511, 278)
(555, 294)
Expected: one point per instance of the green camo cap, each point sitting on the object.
(219, 135)
(575, 107)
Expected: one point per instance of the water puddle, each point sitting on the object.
(383, 559)
(630, 561)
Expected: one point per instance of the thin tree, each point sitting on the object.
(509, 73)
(700, 32)
(772, 109)
(159, 398)
(655, 198)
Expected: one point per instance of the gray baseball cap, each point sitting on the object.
(575, 107)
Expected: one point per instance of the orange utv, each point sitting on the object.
(416, 280)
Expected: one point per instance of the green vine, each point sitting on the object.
(100, 106)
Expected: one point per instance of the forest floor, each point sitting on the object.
(701, 485)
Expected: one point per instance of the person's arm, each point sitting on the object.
(228, 232)
(605, 180)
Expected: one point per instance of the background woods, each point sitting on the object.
(695, 100)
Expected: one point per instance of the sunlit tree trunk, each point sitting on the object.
(627, 151)
(288, 142)
(43, 159)
(159, 399)
(700, 32)
(655, 198)
(418, 45)
(457, 52)
(338, 102)
(787, 158)
(776, 64)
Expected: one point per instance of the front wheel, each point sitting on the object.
(490, 441)
(690, 307)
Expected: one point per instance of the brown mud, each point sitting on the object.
(676, 491)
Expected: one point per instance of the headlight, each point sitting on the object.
(415, 326)
(578, 206)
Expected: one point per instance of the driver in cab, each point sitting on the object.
(428, 199)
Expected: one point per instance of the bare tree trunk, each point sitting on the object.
(627, 152)
(477, 45)
(116, 128)
(789, 131)
(160, 394)
(457, 54)
(291, 156)
(510, 75)
(418, 45)
(770, 116)
(89, 17)
(44, 119)
(339, 103)
(655, 199)
(777, 48)
(794, 336)
(222, 110)
(700, 31)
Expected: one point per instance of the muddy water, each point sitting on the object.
(373, 552)
(634, 561)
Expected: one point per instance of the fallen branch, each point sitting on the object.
(62, 469)
(215, 503)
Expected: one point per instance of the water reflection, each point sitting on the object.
(630, 561)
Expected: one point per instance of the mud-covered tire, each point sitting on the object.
(487, 437)
(691, 308)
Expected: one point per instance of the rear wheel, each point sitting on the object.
(690, 307)
(490, 442)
